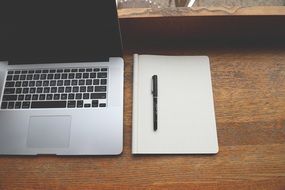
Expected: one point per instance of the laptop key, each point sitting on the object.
(28, 97)
(60, 83)
(79, 104)
(86, 75)
(63, 96)
(4, 105)
(35, 97)
(71, 104)
(95, 103)
(36, 77)
(53, 89)
(11, 105)
(103, 81)
(83, 89)
(16, 77)
(18, 105)
(74, 82)
(39, 83)
(56, 96)
(43, 76)
(49, 96)
(71, 96)
(102, 105)
(100, 88)
(29, 77)
(67, 89)
(32, 83)
(98, 95)
(18, 90)
(39, 90)
(57, 76)
(9, 97)
(42, 97)
(32, 90)
(46, 89)
(60, 89)
(21, 97)
(26, 105)
(88, 82)
(75, 89)
(102, 75)
(64, 76)
(81, 82)
(25, 84)
(90, 89)
(71, 76)
(96, 82)
(18, 84)
(93, 75)
(9, 90)
(25, 90)
(78, 75)
(78, 96)
(86, 96)
(67, 82)
(10, 84)
(52, 82)
(50, 76)
(48, 104)
(87, 105)
(23, 77)
(9, 77)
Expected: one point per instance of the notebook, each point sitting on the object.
(186, 116)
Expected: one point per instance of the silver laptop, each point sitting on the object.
(61, 79)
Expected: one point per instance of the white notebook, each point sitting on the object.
(186, 116)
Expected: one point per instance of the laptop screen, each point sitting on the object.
(52, 31)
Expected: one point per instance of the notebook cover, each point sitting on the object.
(186, 116)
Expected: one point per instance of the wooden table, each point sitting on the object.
(249, 94)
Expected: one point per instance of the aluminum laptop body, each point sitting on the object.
(61, 78)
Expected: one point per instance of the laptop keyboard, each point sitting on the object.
(55, 88)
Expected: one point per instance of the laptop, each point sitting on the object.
(61, 78)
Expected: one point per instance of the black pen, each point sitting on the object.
(154, 94)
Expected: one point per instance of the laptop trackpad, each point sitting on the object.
(49, 131)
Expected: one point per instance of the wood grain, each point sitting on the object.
(201, 11)
(249, 95)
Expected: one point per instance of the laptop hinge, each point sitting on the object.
(20, 62)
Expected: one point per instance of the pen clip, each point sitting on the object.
(154, 85)
(152, 81)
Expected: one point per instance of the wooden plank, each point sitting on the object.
(202, 29)
(249, 94)
(201, 11)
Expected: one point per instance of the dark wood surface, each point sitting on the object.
(249, 96)
(202, 25)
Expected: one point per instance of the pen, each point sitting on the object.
(154, 95)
